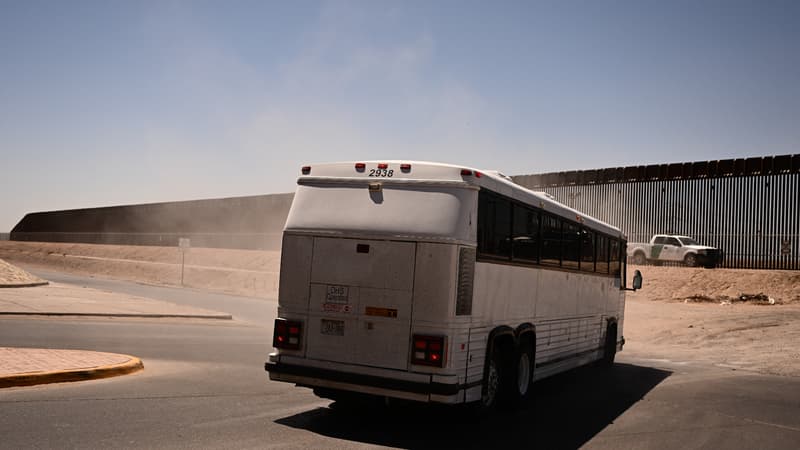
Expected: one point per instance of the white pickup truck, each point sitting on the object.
(683, 249)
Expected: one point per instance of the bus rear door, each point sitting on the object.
(360, 302)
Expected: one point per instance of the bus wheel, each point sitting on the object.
(610, 347)
(490, 394)
(524, 373)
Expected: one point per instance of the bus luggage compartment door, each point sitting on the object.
(360, 302)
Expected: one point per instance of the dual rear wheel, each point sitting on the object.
(509, 377)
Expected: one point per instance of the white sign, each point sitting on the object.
(184, 243)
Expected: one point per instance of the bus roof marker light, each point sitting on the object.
(405, 167)
(360, 167)
(306, 170)
(470, 172)
(383, 166)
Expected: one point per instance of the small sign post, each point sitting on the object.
(184, 244)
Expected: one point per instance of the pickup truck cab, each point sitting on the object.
(675, 248)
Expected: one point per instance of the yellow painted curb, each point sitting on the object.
(134, 364)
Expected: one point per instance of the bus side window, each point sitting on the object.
(587, 250)
(551, 240)
(614, 265)
(571, 249)
(494, 226)
(525, 237)
(602, 254)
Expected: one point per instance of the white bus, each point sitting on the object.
(440, 283)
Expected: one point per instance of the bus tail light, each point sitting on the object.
(287, 334)
(428, 350)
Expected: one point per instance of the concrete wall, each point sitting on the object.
(253, 222)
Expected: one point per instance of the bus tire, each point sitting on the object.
(610, 346)
(492, 390)
(524, 364)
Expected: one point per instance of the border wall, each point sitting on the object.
(253, 222)
(749, 208)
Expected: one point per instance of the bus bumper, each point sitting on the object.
(380, 382)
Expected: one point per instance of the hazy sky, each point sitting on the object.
(118, 102)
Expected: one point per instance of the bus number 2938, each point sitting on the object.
(381, 173)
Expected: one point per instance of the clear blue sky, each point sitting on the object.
(117, 102)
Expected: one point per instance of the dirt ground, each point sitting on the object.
(11, 275)
(242, 272)
(742, 319)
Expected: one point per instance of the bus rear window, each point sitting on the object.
(394, 210)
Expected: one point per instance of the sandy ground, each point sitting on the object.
(743, 319)
(11, 275)
(242, 272)
(687, 284)
(758, 338)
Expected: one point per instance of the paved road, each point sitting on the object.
(204, 386)
(255, 310)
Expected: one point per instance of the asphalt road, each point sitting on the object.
(204, 387)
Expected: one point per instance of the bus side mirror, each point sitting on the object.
(637, 280)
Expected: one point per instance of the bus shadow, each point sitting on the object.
(569, 410)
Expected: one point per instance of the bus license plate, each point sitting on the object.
(332, 327)
(336, 294)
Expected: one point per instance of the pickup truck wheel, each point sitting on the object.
(690, 260)
(639, 258)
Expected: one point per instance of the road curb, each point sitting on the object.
(134, 315)
(41, 283)
(134, 364)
